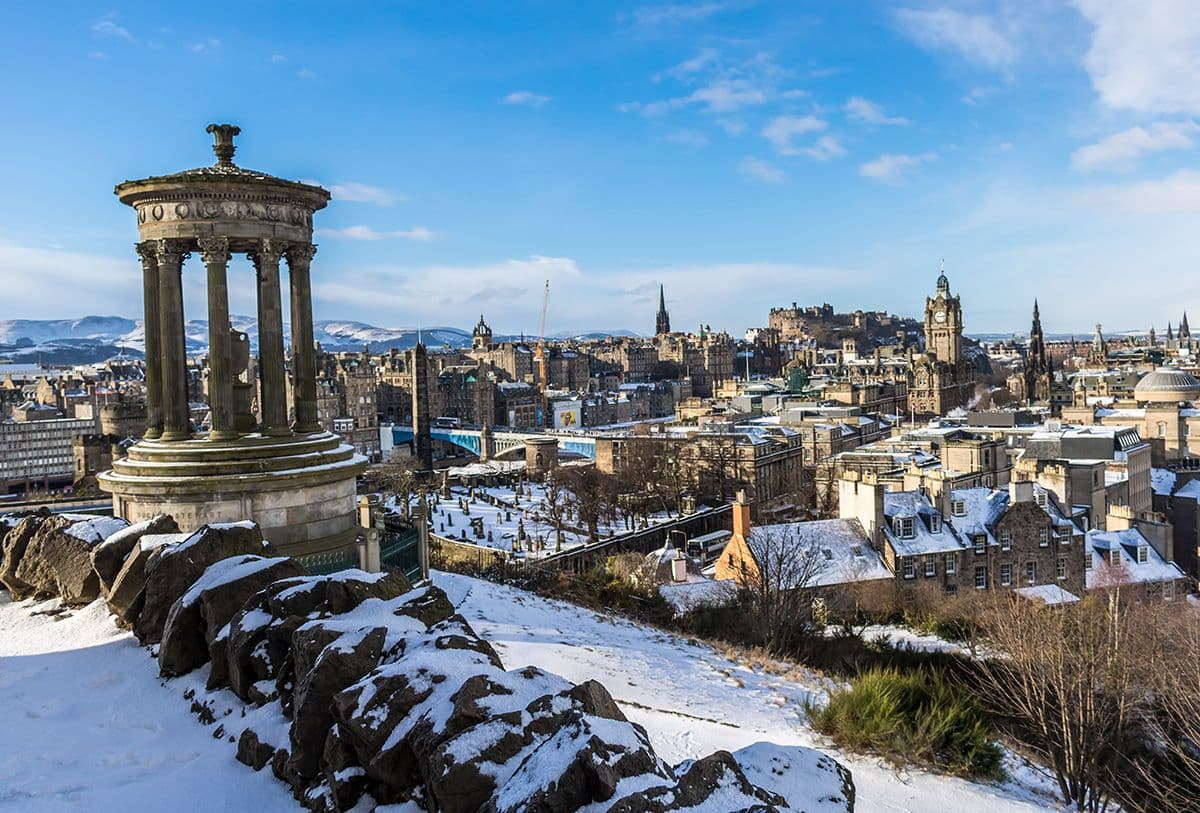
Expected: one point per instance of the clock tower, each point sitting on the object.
(943, 324)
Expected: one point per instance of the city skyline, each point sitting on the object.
(740, 153)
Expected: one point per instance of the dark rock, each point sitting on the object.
(16, 542)
(198, 616)
(109, 556)
(128, 592)
(702, 781)
(172, 570)
(344, 593)
(428, 605)
(252, 751)
(341, 662)
(58, 560)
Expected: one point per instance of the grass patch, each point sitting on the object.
(917, 716)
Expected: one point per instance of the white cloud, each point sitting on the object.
(975, 37)
(782, 129)
(418, 234)
(1145, 55)
(865, 111)
(110, 29)
(362, 193)
(1178, 193)
(705, 58)
(825, 148)
(306, 73)
(720, 85)
(762, 170)
(1122, 150)
(525, 97)
(277, 58)
(890, 167)
(207, 44)
(679, 13)
(687, 138)
(56, 283)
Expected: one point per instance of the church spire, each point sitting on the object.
(662, 322)
(1185, 332)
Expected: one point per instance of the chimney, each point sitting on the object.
(741, 515)
(1020, 491)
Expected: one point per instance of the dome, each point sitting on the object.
(1167, 385)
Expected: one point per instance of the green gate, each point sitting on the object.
(399, 546)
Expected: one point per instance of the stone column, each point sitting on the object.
(304, 361)
(215, 253)
(273, 399)
(148, 253)
(176, 422)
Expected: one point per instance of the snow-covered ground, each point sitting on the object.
(693, 701)
(88, 726)
(498, 525)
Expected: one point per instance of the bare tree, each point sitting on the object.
(776, 583)
(593, 495)
(398, 479)
(1073, 679)
(554, 503)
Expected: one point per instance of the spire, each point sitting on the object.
(1170, 335)
(1036, 316)
(943, 284)
(662, 322)
(1185, 332)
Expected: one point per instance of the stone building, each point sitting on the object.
(36, 448)
(347, 397)
(942, 379)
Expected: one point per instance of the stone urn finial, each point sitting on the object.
(223, 142)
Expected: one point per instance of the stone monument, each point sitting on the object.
(294, 479)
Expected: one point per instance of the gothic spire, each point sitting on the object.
(662, 322)
(1185, 332)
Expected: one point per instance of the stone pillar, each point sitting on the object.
(273, 397)
(215, 253)
(148, 252)
(176, 422)
(422, 442)
(304, 360)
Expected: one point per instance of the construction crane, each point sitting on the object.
(540, 355)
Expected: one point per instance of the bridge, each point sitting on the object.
(504, 445)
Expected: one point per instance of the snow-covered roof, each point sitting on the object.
(924, 539)
(1162, 481)
(844, 553)
(1124, 545)
(1048, 594)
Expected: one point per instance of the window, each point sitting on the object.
(1060, 568)
(904, 527)
(909, 570)
(980, 542)
(958, 508)
(1143, 554)
(856, 550)
(1006, 574)
(981, 578)
(1087, 562)
(1043, 537)
(952, 589)
(935, 523)
(1114, 557)
(930, 567)
(951, 564)
(1006, 540)
(1039, 497)
(1031, 572)
(1168, 590)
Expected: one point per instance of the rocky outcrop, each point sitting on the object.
(171, 570)
(58, 561)
(16, 542)
(200, 615)
(128, 592)
(109, 556)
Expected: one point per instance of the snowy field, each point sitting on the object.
(499, 513)
(90, 726)
(693, 701)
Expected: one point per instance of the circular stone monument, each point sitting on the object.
(289, 475)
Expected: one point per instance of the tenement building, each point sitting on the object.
(296, 480)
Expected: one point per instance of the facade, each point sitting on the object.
(941, 379)
(36, 450)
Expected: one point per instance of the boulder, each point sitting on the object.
(58, 560)
(198, 616)
(128, 591)
(715, 782)
(252, 751)
(806, 778)
(109, 556)
(340, 662)
(172, 570)
(16, 542)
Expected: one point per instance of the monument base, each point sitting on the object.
(299, 489)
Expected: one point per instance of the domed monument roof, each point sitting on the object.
(1167, 385)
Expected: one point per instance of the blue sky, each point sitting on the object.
(745, 154)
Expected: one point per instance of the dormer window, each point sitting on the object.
(958, 508)
(1039, 497)
(1143, 554)
(903, 527)
(1114, 557)
(935, 523)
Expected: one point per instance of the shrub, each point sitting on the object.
(918, 716)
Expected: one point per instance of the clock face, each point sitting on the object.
(939, 316)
